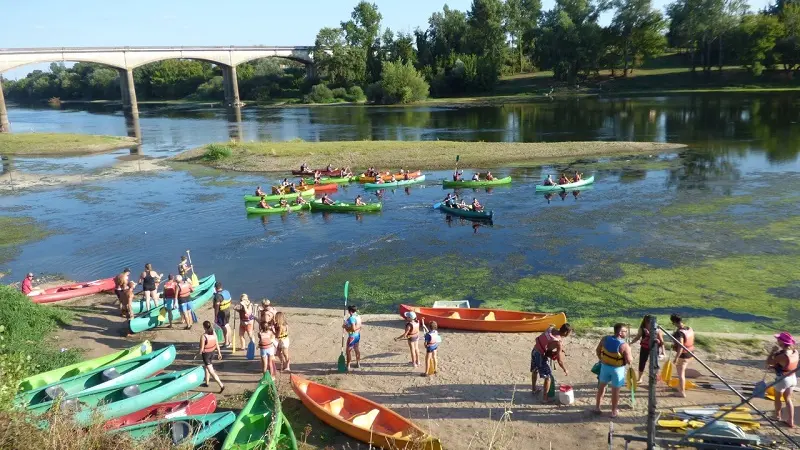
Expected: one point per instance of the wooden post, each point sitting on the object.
(652, 407)
(5, 127)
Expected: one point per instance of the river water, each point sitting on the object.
(655, 211)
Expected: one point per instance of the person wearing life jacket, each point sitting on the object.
(644, 344)
(353, 327)
(209, 345)
(300, 200)
(614, 354)
(183, 292)
(265, 311)
(411, 334)
(783, 359)
(547, 348)
(183, 267)
(222, 312)
(170, 297)
(246, 318)
(489, 176)
(282, 332)
(685, 336)
(267, 345)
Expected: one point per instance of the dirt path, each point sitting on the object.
(481, 376)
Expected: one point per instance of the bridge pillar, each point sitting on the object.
(128, 90)
(311, 71)
(5, 127)
(230, 83)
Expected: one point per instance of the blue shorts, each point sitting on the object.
(168, 303)
(353, 340)
(540, 365)
(183, 307)
(615, 376)
(432, 348)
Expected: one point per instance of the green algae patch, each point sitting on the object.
(18, 231)
(784, 230)
(706, 207)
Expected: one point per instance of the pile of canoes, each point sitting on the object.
(120, 390)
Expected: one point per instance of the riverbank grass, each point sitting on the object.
(60, 144)
(17, 231)
(283, 156)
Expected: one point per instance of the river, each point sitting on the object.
(657, 214)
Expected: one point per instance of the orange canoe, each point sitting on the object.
(478, 319)
(398, 176)
(362, 419)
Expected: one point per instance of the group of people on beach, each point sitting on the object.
(614, 354)
(432, 339)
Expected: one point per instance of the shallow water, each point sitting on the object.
(740, 174)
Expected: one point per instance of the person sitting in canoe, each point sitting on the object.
(563, 179)
(329, 168)
(284, 203)
(327, 200)
(263, 203)
(476, 205)
(549, 181)
(406, 176)
(285, 182)
(302, 182)
(317, 177)
(292, 188)
(260, 192)
(449, 200)
(393, 179)
(379, 179)
(489, 176)
(462, 205)
(304, 167)
(360, 202)
(457, 175)
(476, 176)
(300, 200)
(346, 172)
(578, 177)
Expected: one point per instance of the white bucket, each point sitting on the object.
(566, 396)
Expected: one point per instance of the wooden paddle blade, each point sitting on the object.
(673, 383)
(195, 281)
(666, 372)
(251, 350)
(342, 364)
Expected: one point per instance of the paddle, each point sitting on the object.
(630, 376)
(342, 363)
(195, 281)
(251, 347)
(233, 338)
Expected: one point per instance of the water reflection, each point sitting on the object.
(134, 130)
(235, 130)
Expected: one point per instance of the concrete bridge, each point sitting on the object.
(125, 59)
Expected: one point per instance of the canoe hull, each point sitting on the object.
(305, 389)
(398, 176)
(478, 215)
(399, 183)
(138, 306)
(474, 184)
(203, 427)
(261, 414)
(70, 291)
(317, 205)
(322, 172)
(277, 209)
(278, 197)
(159, 316)
(197, 404)
(564, 187)
(504, 321)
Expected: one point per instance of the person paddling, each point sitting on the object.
(260, 192)
(326, 200)
(489, 176)
(246, 319)
(150, 280)
(614, 354)
(644, 337)
(578, 177)
(563, 179)
(353, 327)
(222, 312)
(548, 347)
(783, 359)
(359, 202)
(411, 334)
(263, 203)
(685, 335)
(300, 200)
(549, 181)
(476, 176)
(209, 345)
(170, 297)
(476, 205)
(183, 293)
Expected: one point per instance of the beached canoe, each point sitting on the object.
(138, 304)
(475, 184)
(69, 291)
(480, 319)
(159, 316)
(360, 418)
(192, 430)
(202, 288)
(386, 177)
(390, 184)
(560, 187)
(45, 378)
(101, 378)
(257, 421)
(322, 172)
(278, 197)
(124, 399)
(317, 205)
(277, 209)
(482, 215)
(199, 403)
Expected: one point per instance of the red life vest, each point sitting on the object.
(169, 289)
(688, 339)
(792, 364)
(244, 314)
(542, 343)
(645, 341)
(211, 343)
(264, 340)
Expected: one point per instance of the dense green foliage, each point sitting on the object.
(399, 83)
(464, 52)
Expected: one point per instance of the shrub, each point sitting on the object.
(319, 94)
(355, 94)
(400, 83)
(340, 93)
(215, 152)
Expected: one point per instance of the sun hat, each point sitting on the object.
(410, 315)
(785, 338)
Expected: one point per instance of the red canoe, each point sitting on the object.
(323, 172)
(68, 291)
(324, 187)
(197, 404)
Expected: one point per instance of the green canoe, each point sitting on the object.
(564, 187)
(195, 429)
(390, 184)
(261, 416)
(203, 285)
(277, 209)
(104, 377)
(45, 378)
(473, 184)
(278, 197)
(159, 316)
(124, 399)
(138, 305)
(337, 180)
(317, 205)
(484, 215)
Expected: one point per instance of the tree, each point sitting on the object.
(636, 28)
(399, 83)
(341, 64)
(486, 36)
(361, 31)
(757, 36)
(521, 17)
(787, 48)
(571, 41)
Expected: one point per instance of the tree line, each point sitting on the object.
(464, 52)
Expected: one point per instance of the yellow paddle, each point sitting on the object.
(195, 281)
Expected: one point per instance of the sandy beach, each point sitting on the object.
(480, 399)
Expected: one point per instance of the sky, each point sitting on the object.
(103, 23)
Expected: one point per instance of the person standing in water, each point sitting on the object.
(685, 335)
(209, 345)
(149, 280)
(614, 355)
(547, 348)
(411, 334)
(644, 337)
(783, 359)
(353, 327)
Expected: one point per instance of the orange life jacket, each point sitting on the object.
(543, 342)
(264, 340)
(414, 329)
(792, 364)
(211, 343)
(688, 339)
(184, 289)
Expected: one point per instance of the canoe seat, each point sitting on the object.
(110, 374)
(365, 420)
(334, 406)
(131, 391)
(488, 316)
(453, 315)
(180, 431)
(53, 392)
